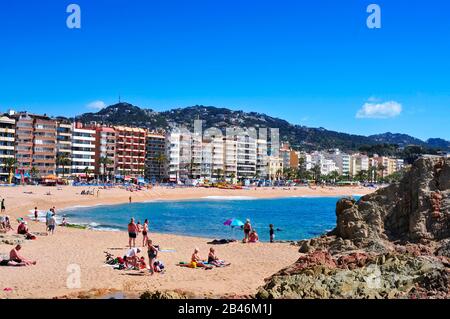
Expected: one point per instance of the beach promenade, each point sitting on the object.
(250, 263)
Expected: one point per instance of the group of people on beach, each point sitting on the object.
(251, 236)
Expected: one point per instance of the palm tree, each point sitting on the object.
(62, 160)
(361, 176)
(104, 162)
(372, 174)
(87, 171)
(381, 168)
(333, 176)
(316, 171)
(160, 159)
(10, 164)
(34, 172)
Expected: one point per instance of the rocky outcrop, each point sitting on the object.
(394, 243)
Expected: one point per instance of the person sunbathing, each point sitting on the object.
(197, 261)
(214, 260)
(10, 263)
(16, 257)
(132, 257)
(253, 237)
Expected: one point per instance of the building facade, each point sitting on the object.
(155, 157)
(7, 143)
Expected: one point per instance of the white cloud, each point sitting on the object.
(384, 110)
(96, 105)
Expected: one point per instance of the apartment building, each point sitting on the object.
(35, 144)
(63, 147)
(83, 151)
(7, 141)
(262, 169)
(178, 154)
(105, 151)
(358, 163)
(274, 167)
(342, 161)
(130, 151)
(155, 157)
(213, 163)
(230, 158)
(246, 156)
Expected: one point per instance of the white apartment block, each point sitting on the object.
(83, 151)
(7, 141)
(341, 160)
(358, 163)
(246, 156)
(262, 169)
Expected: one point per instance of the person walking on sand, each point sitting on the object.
(52, 224)
(36, 213)
(152, 253)
(129, 199)
(3, 205)
(145, 233)
(132, 233)
(247, 230)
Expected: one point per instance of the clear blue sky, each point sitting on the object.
(311, 62)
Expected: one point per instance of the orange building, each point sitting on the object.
(130, 151)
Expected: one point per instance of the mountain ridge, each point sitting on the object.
(299, 136)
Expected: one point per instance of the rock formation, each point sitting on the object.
(394, 243)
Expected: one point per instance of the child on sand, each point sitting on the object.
(253, 237)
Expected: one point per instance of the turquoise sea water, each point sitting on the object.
(297, 217)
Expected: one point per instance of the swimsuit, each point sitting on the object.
(144, 233)
(132, 235)
(4, 262)
(151, 254)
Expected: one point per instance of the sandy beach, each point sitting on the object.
(250, 263)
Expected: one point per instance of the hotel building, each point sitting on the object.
(130, 151)
(35, 144)
(83, 151)
(7, 138)
(155, 157)
(105, 151)
(246, 156)
(63, 146)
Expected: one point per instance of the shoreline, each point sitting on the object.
(250, 264)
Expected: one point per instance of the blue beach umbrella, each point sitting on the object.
(233, 222)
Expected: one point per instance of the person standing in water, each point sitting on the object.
(145, 233)
(271, 233)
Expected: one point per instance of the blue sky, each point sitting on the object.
(313, 63)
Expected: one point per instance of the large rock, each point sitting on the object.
(394, 243)
(415, 209)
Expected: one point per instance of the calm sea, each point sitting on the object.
(296, 218)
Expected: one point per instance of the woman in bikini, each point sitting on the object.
(214, 260)
(196, 260)
(132, 233)
(152, 253)
(145, 233)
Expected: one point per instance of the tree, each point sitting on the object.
(10, 164)
(160, 159)
(62, 160)
(381, 168)
(372, 174)
(104, 162)
(316, 173)
(34, 172)
(333, 176)
(361, 176)
(87, 171)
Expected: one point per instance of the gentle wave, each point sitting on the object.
(230, 197)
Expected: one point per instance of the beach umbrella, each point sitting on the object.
(233, 222)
